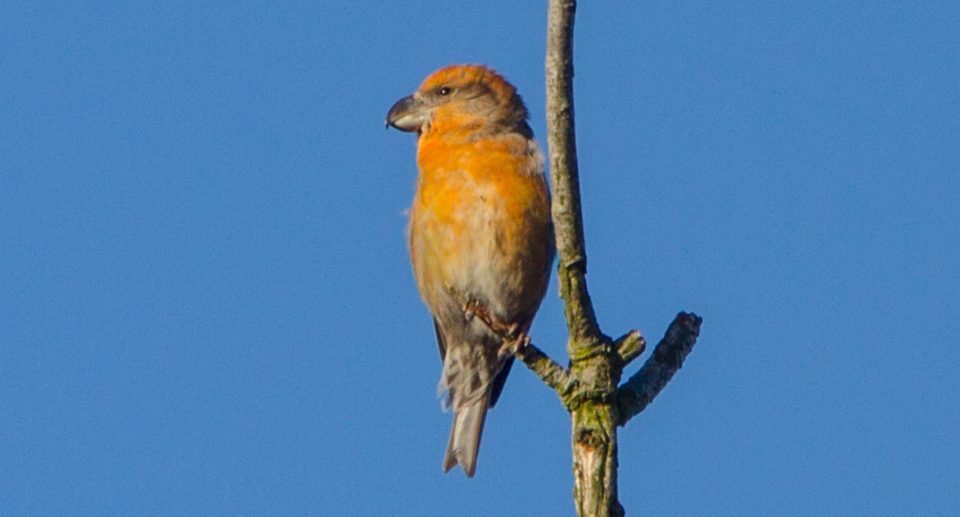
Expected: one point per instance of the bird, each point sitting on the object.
(480, 234)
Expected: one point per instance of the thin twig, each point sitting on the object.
(551, 373)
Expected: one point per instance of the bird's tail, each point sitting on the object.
(465, 436)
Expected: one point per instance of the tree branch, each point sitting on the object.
(551, 373)
(561, 137)
(639, 391)
(630, 346)
(597, 407)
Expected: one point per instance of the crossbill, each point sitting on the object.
(480, 233)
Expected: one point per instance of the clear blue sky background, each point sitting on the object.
(206, 306)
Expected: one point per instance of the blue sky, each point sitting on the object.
(206, 306)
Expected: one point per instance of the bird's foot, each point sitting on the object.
(514, 339)
(513, 345)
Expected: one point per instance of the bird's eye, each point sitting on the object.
(443, 91)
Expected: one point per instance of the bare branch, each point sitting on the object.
(561, 137)
(639, 391)
(590, 390)
(551, 373)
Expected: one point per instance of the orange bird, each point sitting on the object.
(480, 233)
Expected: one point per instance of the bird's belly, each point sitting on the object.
(474, 252)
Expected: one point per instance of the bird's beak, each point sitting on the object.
(408, 114)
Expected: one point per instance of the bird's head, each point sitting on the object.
(461, 98)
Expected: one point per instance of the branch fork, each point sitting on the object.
(596, 403)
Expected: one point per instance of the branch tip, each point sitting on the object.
(634, 395)
(630, 346)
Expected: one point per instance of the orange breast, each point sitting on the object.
(480, 222)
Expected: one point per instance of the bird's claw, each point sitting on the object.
(513, 346)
